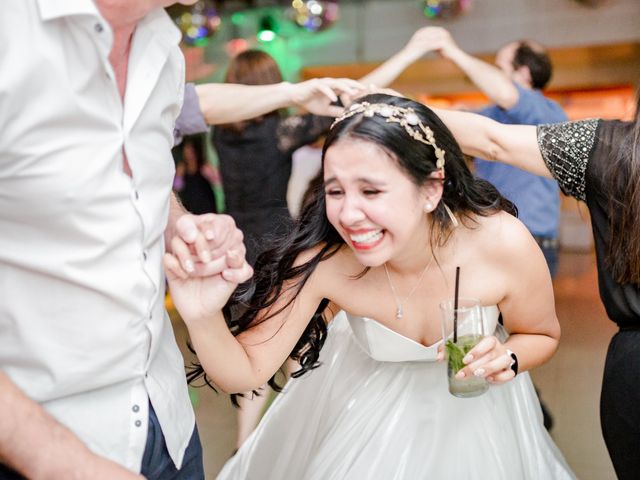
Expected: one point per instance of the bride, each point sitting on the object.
(398, 212)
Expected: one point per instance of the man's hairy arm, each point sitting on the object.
(34, 444)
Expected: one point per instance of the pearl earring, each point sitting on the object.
(428, 207)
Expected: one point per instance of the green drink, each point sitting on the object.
(468, 386)
(462, 329)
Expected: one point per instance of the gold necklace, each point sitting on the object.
(399, 310)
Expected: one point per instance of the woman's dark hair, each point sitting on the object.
(624, 207)
(464, 194)
(252, 67)
(196, 143)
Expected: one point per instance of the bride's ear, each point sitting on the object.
(431, 191)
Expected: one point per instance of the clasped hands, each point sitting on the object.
(204, 264)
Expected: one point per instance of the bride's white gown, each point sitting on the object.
(379, 408)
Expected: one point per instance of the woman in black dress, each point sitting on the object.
(598, 162)
(255, 156)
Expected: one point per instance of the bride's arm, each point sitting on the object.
(527, 307)
(479, 136)
(245, 362)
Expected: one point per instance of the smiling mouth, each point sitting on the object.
(365, 241)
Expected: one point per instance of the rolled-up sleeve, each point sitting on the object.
(191, 119)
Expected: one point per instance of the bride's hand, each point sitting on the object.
(488, 359)
(198, 298)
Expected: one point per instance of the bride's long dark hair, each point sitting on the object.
(463, 193)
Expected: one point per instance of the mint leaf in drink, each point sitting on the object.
(454, 356)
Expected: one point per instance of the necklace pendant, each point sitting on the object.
(399, 312)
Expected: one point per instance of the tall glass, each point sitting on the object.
(469, 326)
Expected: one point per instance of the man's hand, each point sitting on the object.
(201, 242)
(316, 95)
(432, 39)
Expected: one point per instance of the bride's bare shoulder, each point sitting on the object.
(503, 234)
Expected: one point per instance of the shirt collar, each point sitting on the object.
(52, 9)
(161, 26)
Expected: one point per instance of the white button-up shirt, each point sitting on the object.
(83, 328)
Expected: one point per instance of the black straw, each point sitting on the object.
(455, 307)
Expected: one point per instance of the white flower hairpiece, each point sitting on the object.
(406, 117)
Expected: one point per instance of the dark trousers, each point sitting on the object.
(156, 462)
(619, 403)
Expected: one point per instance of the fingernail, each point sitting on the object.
(479, 372)
(460, 374)
(233, 254)
(208, 234)
(188, 266)
(191, 234)
(206, 256)
(468, 358)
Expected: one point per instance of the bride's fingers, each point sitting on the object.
(173, 268)
(238, 275)
(491, 367)
(501, 377)
(214, 267)
(180, 249)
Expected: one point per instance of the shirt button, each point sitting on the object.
(137, 423)
(135, 408)
(136, 194)
(144, 255)
(98, 27)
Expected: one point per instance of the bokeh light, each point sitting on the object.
(197, 23)
(445, 8)
(314, 15)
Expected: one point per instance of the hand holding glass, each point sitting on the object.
(462, 329)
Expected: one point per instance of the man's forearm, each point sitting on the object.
(37, 446)
(226, 102)
(488, 78)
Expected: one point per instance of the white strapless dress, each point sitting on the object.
(379, 408)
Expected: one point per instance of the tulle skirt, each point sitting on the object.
(357, 418)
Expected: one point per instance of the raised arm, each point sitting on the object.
(391, 69)
(482, 137)
(227, 102)
(488, 78)
(36, 445)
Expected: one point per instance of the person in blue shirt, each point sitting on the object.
(514, 85)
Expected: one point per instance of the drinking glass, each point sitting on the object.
(467, 321)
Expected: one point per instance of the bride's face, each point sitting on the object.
(372, 203)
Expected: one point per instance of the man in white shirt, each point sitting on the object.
(88, 98)
(90, 376)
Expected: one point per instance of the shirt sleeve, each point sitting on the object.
(533, 108)
(566, 148)
(191, 119)
(299, 130)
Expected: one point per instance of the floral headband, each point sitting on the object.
(407, 119)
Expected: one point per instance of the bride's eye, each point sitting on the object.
(370, 192)
(334, 192)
